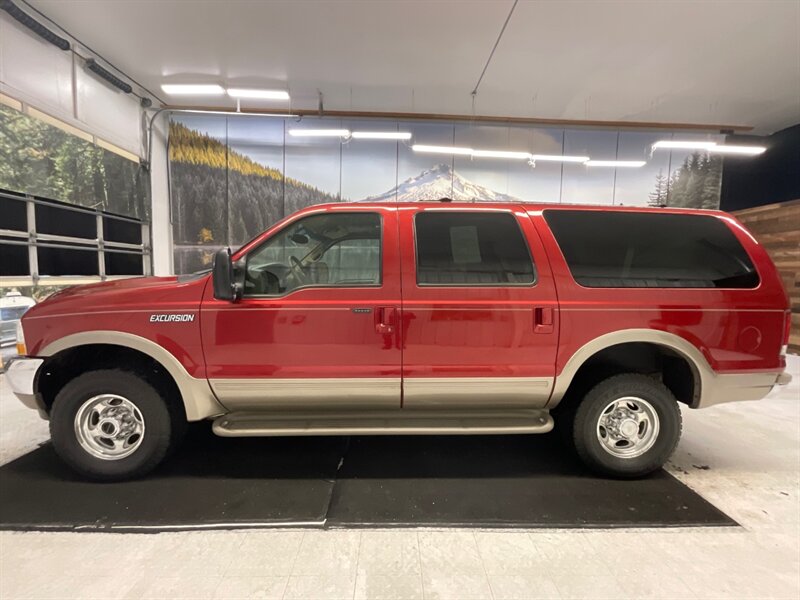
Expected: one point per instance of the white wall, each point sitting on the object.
(56, 82)
(161, 227)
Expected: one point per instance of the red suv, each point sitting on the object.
(422, 318)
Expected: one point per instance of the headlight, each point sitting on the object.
(21, 349)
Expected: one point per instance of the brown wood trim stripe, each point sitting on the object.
(406, 116)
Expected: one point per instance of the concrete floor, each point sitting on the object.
(744, 458)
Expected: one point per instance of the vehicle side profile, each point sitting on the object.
(424, 318)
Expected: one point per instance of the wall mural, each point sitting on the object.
(40, 159)
(232, 177)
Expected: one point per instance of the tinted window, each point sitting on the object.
(471, 248)
(622, 249)
(330, 250)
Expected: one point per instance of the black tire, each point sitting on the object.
(159, 432)
(585, 426)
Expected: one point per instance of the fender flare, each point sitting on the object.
(198, 399)
(704, 374)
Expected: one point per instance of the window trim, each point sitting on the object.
(514, 217)
(242, 262)
(669, 288)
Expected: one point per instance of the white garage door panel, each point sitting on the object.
(108, 113)
(35, 67)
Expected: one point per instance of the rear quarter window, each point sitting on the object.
(650, 250)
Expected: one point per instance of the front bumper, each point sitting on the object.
(21, 375)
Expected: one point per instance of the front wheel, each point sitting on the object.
(110, 425)
(627, 426)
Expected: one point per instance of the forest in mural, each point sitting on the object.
(40, 159)
(696, 184)
(221, 197)
(231, 178)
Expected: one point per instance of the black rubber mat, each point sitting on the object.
(483, 481)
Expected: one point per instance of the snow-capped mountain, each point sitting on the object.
(441, 182)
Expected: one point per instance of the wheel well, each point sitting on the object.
(68, 364)
(668, 366)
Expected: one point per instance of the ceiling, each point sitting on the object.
(733, 63)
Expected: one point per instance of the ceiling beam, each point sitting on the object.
(405, 116)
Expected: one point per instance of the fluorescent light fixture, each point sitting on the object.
(381, 135)
(500, 154)
(559, 158)
(709, 147)
(258, 94)
(746, 150)
(193, 89)
(442, 149)
(319, 133)
(684, 145)
(616, 163)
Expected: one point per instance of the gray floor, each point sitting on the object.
(745, 458)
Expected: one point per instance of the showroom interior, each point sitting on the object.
(145, 148)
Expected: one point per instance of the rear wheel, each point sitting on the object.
(627, 426)
(112, 424)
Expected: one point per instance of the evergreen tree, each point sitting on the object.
(695, 184)
(658, 197)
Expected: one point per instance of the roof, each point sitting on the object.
(531, 206)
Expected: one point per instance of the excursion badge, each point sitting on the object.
(171, 318)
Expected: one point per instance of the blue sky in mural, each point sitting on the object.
(258, 138)
(369, 167)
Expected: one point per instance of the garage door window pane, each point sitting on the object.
(471, 249)
(648, 250)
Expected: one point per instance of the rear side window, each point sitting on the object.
(648, 250)
(471, 249)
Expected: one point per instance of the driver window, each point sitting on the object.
(324, 250)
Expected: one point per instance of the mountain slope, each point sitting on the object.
(441, 182)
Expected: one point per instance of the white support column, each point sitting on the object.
(101, 254)
(33, 256)
(160, 225)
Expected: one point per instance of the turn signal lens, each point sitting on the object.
(21, 349)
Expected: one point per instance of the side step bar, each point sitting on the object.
(396, 422)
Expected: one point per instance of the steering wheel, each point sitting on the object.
(297, 270)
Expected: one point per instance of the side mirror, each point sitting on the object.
(226, 286)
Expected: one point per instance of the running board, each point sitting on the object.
(396, 422)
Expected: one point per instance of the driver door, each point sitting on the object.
(317, 324)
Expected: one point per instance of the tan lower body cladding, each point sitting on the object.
(438, 392)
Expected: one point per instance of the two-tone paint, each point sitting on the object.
(408, 347)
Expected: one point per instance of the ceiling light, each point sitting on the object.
(192, 89)
(442, 149)
(746, 150)
(500, 154)
(258, 94)
(381, 135)
(710, 147)
(559, 158)
(616, 163)
(319, 133)
(684, 145)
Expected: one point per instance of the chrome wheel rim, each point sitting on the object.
(627, 427)
(109, 427)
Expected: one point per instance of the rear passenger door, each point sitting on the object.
(480, 314)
